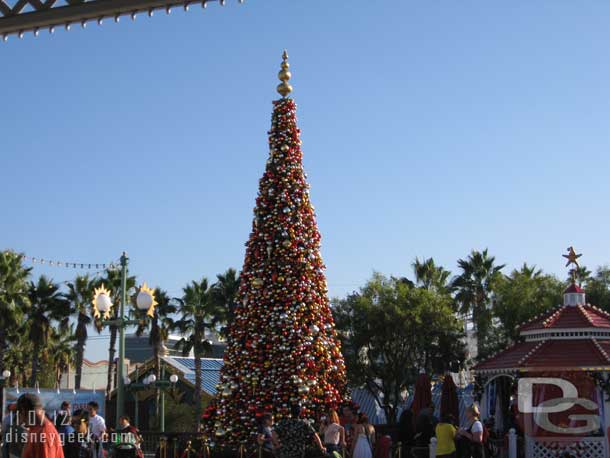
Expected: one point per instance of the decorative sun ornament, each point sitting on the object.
(101, 303)
(145, 300)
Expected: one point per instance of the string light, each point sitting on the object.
(99, 266)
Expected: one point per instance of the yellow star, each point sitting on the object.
(572, 257)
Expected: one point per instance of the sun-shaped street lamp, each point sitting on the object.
(102, 305)
(145, 300)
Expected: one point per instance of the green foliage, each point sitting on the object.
(200, 314)
(474, 287)
(80, 295)
(390, 330)
(179, 416)
(14, 300)
(49, 309)
(224, 295)
(430, 276)
(522, 295)
(598, 288)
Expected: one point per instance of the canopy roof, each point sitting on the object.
(551, 355)
(565, 317)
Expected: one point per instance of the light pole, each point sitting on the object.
(102, 304)
(4, 381)
(151, 382)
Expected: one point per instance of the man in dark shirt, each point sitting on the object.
(293, 435)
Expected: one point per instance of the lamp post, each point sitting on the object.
(102, 304)
(151, 382)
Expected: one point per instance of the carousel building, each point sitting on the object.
(552, 386)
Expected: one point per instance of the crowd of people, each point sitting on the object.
(30, 432)
(335, 436)
(467, 441)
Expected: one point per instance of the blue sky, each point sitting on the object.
(429, 129)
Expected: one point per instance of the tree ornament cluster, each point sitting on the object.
(282, 347)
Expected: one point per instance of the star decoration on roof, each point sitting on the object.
(572, 257)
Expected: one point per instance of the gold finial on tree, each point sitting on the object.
(284, 75)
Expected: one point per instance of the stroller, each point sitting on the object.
(127, 450)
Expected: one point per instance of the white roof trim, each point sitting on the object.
(553, 330)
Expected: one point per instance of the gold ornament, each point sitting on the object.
(284, 75)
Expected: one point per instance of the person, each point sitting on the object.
(7, 429)
(77, 445)
(406, 431)
(42, 439)
(333, 433)
(63, 424)
(264, 436)
(348, 419)
(293, 435)
(97, 429)
(424, 426)
(445, 437)
(129, 434)
(470, 438)
(364, 438)
(66, 407)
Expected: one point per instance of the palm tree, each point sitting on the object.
(17, 357)
(63, 351)
(112, 281)
(224, 294)
(48, 307)
(160, 326)
(430, 276)
(474, 286)
(14, 298)
(80, 295)
(582, 276)
(199, 314)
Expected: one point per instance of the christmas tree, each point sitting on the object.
(282, 346)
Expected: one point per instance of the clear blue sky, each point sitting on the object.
(429, 129)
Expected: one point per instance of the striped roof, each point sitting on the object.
(569, 317)
(546, 355)
(210, 371)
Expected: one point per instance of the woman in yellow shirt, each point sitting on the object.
(445, 438)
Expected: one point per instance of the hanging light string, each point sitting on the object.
(74, 265)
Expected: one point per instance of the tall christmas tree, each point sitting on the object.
(282, 347)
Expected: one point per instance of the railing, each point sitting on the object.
(173, 445)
